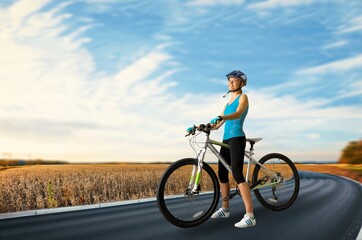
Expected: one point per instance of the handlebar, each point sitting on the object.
(206, 128)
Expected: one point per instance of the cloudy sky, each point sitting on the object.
(121, 80)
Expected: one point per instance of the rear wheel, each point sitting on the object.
(178, 204)
(276, 192)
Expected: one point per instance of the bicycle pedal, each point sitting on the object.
(274, 200)
(198, 214)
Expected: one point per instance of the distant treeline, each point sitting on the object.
(352, 153)
(19, 162)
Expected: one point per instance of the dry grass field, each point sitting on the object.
(49, 186)
(347, 170)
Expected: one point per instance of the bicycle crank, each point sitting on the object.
(261, 181)
(274, 199)
(236, 192)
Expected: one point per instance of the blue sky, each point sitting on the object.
(92, 80)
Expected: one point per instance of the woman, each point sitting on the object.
(233, 116)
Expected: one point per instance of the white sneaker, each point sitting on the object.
(246, 222)
(220, 214)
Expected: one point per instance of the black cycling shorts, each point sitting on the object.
(234, 157)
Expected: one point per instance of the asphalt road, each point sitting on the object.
(328, 207)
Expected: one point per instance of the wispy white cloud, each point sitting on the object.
(341, 74)
(335, 45)
(214, 2)
(100, 1)
(22, 9)
(269, 4)
(336, 66)
(353, 89)
(354, 25)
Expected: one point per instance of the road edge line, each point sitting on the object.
(359, 236)
(72, 208)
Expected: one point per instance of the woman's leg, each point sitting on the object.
(246, 195)
(224, 177)
(225, 192)
(237, 150)
(225, 186)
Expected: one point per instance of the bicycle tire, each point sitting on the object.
(185, 211)
(287, 190)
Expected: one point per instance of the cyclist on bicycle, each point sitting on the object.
(233, 116)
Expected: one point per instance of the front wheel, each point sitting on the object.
(278, 184)
(176, 201)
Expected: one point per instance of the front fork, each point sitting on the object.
(195, 178)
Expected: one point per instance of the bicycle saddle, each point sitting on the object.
(255, 140)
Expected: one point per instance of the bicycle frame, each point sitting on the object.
(209, 143)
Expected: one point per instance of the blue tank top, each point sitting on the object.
(234, 128)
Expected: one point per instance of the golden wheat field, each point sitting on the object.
(50, 186)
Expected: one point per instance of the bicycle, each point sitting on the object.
(188, 192)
